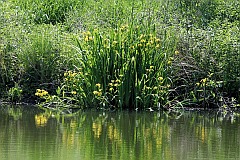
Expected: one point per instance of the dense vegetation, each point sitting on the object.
(111, 54)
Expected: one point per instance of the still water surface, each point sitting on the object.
(27, 133)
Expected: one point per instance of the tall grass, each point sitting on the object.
(48, 12)
(124, 69)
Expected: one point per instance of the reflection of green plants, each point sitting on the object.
(16, 113)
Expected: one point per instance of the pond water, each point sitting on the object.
(27, 133)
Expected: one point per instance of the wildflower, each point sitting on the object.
(86, 38)
(132, 47)
(157, 40)
(111, 89)
(65, 74)
(169, 62)
(110, 84)
(45, 92)
(99, 93)
(88, 33)
(95, 92)
(139, 45)
(155, 88)
(142, 40)
(148, 87)
(74, 92)
(90, 38)
(114, 43)
(198, 84)
(98, 85)
(160, 78)
(151, 67)
(176, 52)
(118, 81)
(157, 46)
(73, 75)
(41, 93)
(204, 80)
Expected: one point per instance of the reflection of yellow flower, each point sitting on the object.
(41, 120)
(97, 129)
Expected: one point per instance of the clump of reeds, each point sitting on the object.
(122, 69)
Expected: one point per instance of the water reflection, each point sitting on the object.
(27, 133)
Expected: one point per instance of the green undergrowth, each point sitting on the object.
(120, 54)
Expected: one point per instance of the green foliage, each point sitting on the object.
(47, 11)
(15, 93)
(117, 65)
